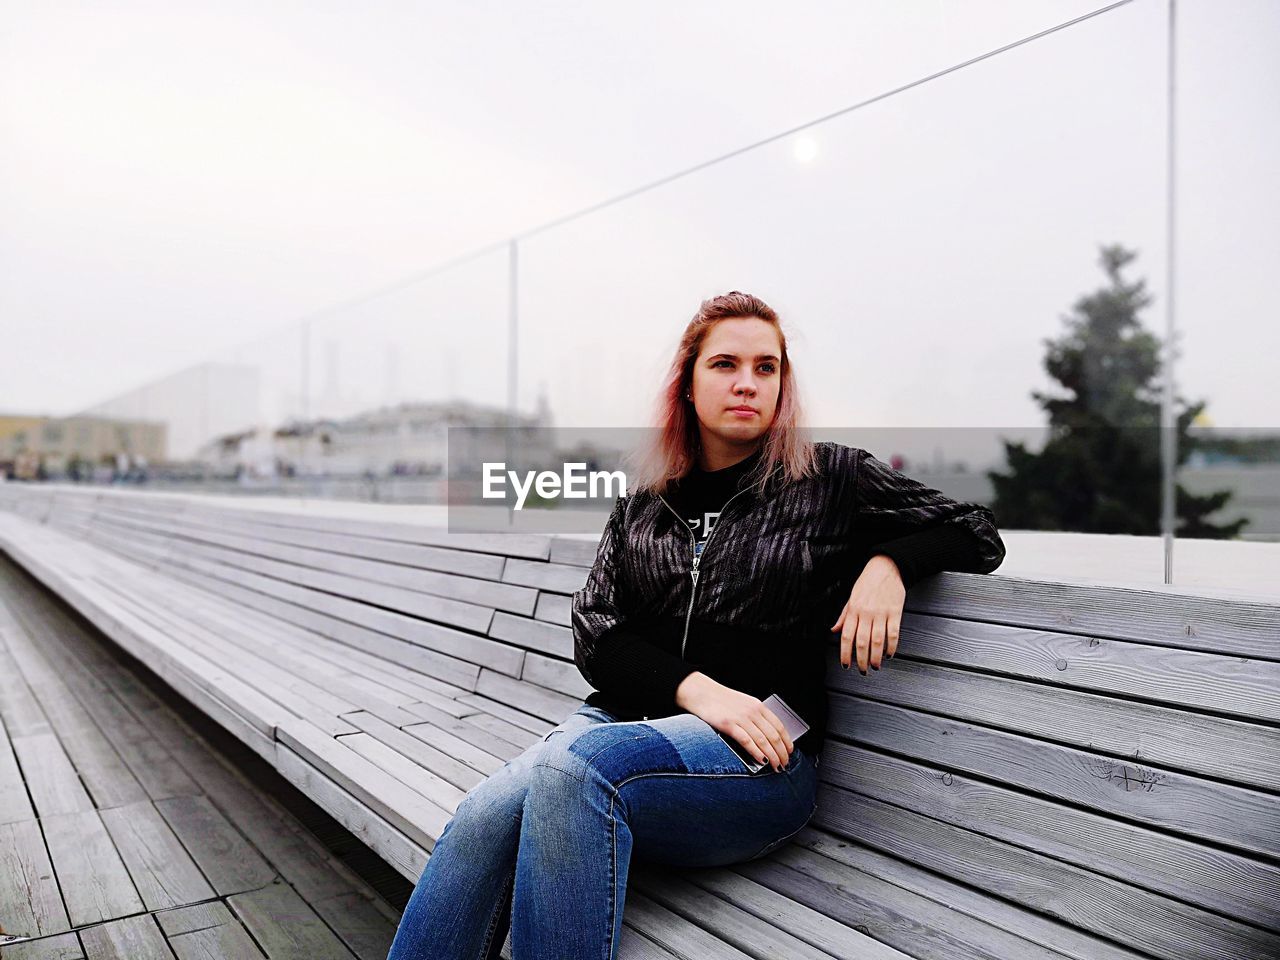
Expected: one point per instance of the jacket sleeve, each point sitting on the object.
(922, 529)
(609, 650)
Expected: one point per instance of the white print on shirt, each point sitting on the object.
(705, 525)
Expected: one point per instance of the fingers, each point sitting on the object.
(863, 642)
(785, 744)
(847, 634)
(891, 640)
(763, 746)
(877, 641)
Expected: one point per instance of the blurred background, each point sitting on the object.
(280, 250)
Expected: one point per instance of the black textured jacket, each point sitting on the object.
(754, 611)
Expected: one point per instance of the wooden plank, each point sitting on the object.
(406, 654)
(423, 781)
(1235, 750)
(674, 932)
(63, 946)
(433, 636)
(558, 675)
(532, 634)
(1024, 860)
(30, 904)
(575, 551)
(286, 927)
(1208, 681)
(526, 696)
(404, 808)
(1038, 928)
(554, 608)
(207, 931)
(545, 576)
(806, 924)
(94, 882)
(724, 920)
(1243, 818)
(195, 916)
(559, 708)
(439, 762)
(406, 856)
(1153, 614)
(162, 870)
(15, 805)
(133, 938)
(905, 921)
(192, 540)
(216, 943)
(362, 925)
(231, 864)
(462, 751)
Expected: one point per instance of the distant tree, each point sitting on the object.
(1099, 471)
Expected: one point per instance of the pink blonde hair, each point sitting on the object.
(673, 451)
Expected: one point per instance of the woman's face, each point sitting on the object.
(739, 365)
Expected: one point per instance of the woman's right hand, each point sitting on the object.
(739, 716)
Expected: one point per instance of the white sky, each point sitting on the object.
(177, 179)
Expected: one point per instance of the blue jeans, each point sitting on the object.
(544, 844)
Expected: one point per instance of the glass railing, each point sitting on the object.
(937, 257)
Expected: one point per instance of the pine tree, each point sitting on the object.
(1099, 471)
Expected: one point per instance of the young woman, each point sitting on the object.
(719, 580)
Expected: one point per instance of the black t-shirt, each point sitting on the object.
(700, 495)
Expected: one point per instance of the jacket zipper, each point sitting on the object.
(693, 542)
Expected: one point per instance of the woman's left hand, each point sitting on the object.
(872, 615)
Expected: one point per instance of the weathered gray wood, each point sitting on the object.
(1180, 677)
(29, 901)
(405, 855)
(1228, 749)
(1178, 802)
(185, 919)
(62, 946)
(231, 864)
(723, 920)
(366, 928)
(453, 746)
(768, 906)
(988, 753)
(674, 932)
(133, 938)
(558, 707)
(94, 882)
(423, 781)
(15, 805)
(1213, 878)
(216, 943)
(440, 763)
(545, 576)
(554, 608)
(532, 634)
(286, 927)
(1154, 614)
(403, 807)
(960, 896)
(162, 870)
(558, 675)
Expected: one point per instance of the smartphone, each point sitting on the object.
(790, 719)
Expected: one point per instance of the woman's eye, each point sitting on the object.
(767, 367)
(718, 362)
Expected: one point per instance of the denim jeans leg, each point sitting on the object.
(460, 907)
(670, 790)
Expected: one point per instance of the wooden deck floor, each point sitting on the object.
(123, 834)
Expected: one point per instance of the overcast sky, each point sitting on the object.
(177, 179)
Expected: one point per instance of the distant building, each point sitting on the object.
(406, 439)
(57, 445)
(202, 402)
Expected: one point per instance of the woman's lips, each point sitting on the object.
(742, 412)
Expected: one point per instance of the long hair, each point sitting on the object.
(675, 441)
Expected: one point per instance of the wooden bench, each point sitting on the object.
(1045, 770)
